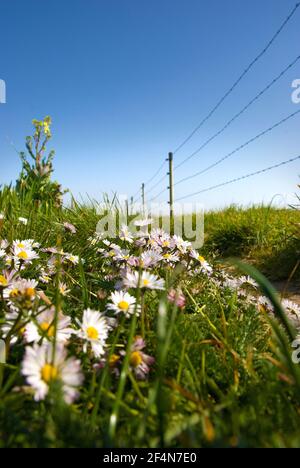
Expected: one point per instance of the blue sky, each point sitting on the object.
(126, 81)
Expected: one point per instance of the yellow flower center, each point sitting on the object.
(166, 244)
(123, 305)
(14, 292)
(21, 245)
(46, 327)
(201, 259)
(49, 372)
(146, 282)
(262, 309)
(30, 292)
(23, 255)
(92, 333)
(3, 281)
(136, 359)
(113, 360)
(167, 256)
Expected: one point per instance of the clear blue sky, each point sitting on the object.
(126, 81)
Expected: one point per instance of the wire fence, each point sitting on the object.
(148, 187)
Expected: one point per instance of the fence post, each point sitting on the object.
(171, 189)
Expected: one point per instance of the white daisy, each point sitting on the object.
(43, 327)
(2, 253)
(182, 245)
(122, 255)
(122, 302)
(21, 290)
(94, 331)
(150, 258)
(72, 258)
(23, 220)
(4, 244)
(145, 280)
(143, 222)
(248, 280)
(63, 289)
(170, 257)
(291, 306)
(40, 369)
(24, 254)
(125, 235)
(264, 304)
(9, 323)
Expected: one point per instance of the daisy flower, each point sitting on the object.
(6, 278)
(63, 289)
(140, 362)
(4, 244)
(22, 292)
(94, 331)
(125, 235)
(264, 304)
(40, 370)
(70, 227)
(170, 257)
(24, 244)
(122, 255)
(150, 258)
(23, 220)
(182, 245)
(248, 280)
(44, 327)
(122, 302)
(205, 266)
(176, 297)
(143, 222)
(145, 280)
(72, 258)
(24, 254)
(291, 306)
(9, 323)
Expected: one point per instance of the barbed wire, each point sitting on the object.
(252, 101)
(236, 83)
(157, 184)
(239, 148)
(237, 179)
(158, 195)
(156, 173)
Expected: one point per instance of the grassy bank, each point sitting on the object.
(265, 236)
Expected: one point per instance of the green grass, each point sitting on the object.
(267, 237)
(223, 374)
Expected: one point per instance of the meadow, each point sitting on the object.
(140, 340)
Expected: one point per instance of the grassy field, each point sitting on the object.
(265, 236)
(144, 342)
